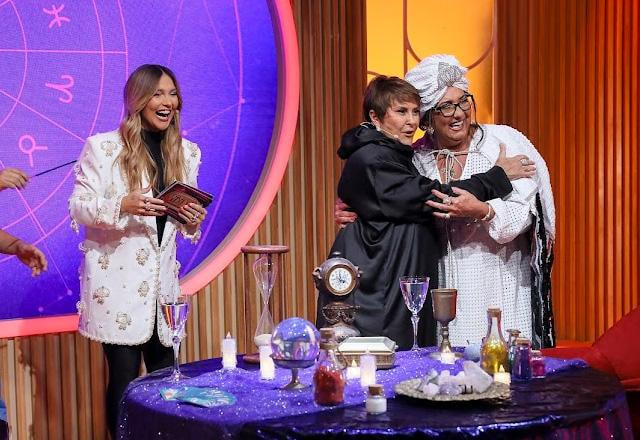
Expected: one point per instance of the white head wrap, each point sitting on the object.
(433, 75)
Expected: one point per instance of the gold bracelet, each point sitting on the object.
(488, 216)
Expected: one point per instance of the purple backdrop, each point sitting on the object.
(62, 70)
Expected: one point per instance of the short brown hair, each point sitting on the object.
(382, 91)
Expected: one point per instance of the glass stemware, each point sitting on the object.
(414, 292)
(175, 312)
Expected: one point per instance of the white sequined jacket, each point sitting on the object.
(124, 270)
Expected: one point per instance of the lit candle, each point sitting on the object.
(267, 367)
(502, 376)
(447, 357)
(229, 360)
(353, 372)
(367, 369)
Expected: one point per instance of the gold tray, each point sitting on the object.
(496, 393)
(381, 347)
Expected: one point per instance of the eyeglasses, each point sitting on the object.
(448, 109)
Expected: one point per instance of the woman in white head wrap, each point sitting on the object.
(503, 260)
(492, 263)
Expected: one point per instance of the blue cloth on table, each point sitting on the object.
(261, 400)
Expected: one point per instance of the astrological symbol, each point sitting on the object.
(57, 19)
(30, 148)
(64, 88)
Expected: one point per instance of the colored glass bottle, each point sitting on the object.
(494, 348)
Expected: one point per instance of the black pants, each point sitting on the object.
(124, 366)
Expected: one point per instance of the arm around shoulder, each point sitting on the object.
(493, 184)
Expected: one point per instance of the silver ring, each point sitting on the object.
(447, 200)
(447, 216)
(524, 161)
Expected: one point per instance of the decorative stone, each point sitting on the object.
(476, 377)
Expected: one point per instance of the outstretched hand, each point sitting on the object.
(13, 178)
(32, 257)
(516, 167)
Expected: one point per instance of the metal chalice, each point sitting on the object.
(444, 311)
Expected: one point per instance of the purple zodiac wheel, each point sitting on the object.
(62, 70)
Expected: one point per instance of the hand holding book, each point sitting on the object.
(185, 203)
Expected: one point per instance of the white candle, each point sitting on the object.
(502, 376)
(229, 360)
(267, 367)
(447, 357)
(353, 372)
(367, 369)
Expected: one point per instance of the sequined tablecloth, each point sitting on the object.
(571, 402)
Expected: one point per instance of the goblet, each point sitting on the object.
(414, 291)
(444, 311)
(175, 312)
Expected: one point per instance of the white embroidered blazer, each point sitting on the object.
(124, 270)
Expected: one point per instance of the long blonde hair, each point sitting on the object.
(135, 159)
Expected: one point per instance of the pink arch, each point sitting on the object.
(279, 152)
(258, 206)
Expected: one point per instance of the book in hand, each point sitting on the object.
(178, 194)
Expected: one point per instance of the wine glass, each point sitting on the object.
(175, 312)
(414, 292)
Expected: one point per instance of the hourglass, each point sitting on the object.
(265, 271)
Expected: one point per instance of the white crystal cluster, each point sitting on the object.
(472, 380)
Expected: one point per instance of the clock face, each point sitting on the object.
(341, 280)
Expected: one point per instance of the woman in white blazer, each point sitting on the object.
(129, 246)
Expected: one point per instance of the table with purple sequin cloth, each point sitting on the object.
(573, 401)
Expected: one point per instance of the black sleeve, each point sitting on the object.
(402, 195)
(494, 184)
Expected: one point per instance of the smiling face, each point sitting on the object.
(452, 131)
(400, 121)
(161, 108)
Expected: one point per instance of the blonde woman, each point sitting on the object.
(130, 247)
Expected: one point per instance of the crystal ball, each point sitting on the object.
(295, 339)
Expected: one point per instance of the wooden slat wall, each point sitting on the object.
(566, 75)
(54, 385)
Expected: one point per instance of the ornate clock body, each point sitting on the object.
(338, 277)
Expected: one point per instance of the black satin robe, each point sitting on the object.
(394, 234)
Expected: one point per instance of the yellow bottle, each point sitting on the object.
(494, 352)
